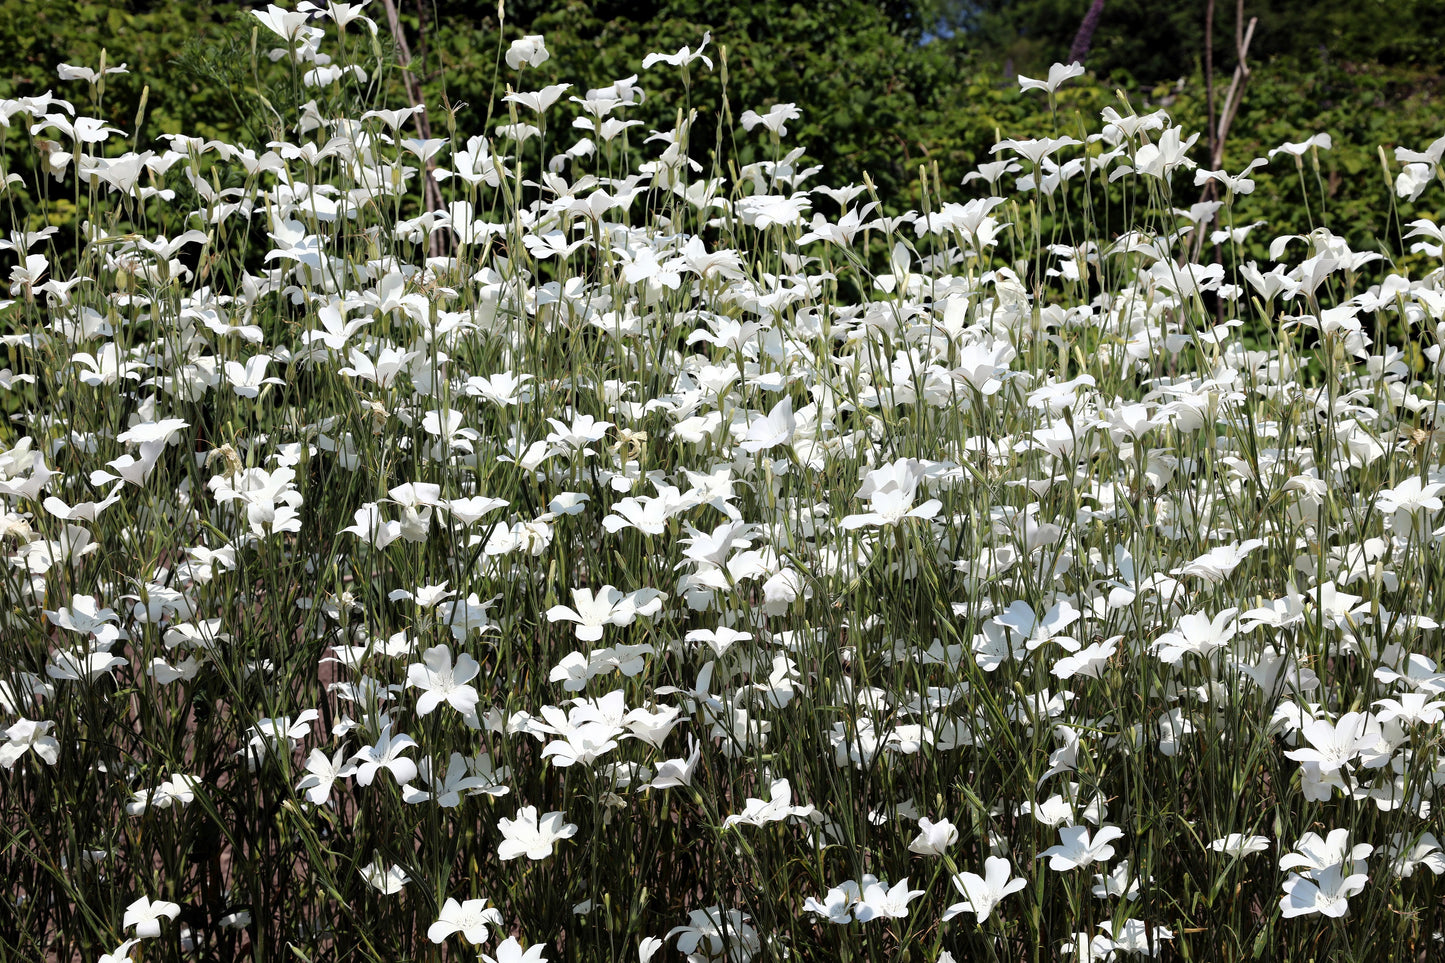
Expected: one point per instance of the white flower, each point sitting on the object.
(386, 880)
(538, 100)
(756, 812)
(982, 893)
(145, 916)
(510, 951)
(1216, 565)
(528, 51)
(1327, 893)
(386, 753)
(771, 430)
(179, 790)
(1406, 858)
(773, 120)
(889, 507)
(121, 954)
(678, 772)
(1322, 141)
(933, 839)
(837, 905)
(1238, 844)
(682, 58)
(441, 681)
(26, 736)
(1333, 745)
(1058, 73)
(1314, 855)
(1117, 882)
(532, 837)
(1077, 849)
(1135, 937)
(470, 919)
(608, 606)
(321, 772)
(719, 931)
(881, 900)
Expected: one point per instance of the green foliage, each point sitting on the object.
(147, 37)
(1156, 42)
(874, 100)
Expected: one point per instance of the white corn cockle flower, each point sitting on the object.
(1332, 746)
(1076, 848)
(837, 905)
(179, 790)
(608, 606)
(715, 935)
(471, 918)
(27, 736)
(1321, 141)
(880, 901)
(771, 430)
(1326, 891)
(442, 681)
(322, 772)
(528, 51)
(146, 916)
(538, 100)
(1313, 854)
(1160, 159)
(672, 773)
(1058, 73)
(779, 807)
(386, 880)
(774, 120)
(1196, 634)
(531, 836)
(982, 893)
(683, 58)
(386, 753)
(1217, 564)
(1238, 844)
